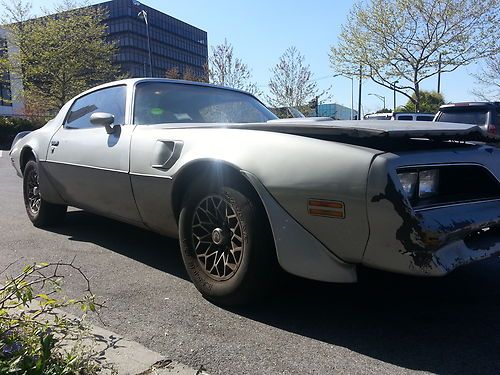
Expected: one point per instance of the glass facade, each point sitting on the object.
(5, 90)
(174, 44)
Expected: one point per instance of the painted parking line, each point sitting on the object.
(1, 152)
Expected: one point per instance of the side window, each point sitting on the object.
(405, 117)
(425, 118)
(111, 100)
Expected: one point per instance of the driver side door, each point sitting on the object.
(89, 166)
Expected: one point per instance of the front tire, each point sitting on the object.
(226, 243)
(40, 212)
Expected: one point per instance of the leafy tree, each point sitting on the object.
(488, 80)
(57, 56)
(227, 70)
(292, 83)
(188, 75)
(398, 42)
(430, 101)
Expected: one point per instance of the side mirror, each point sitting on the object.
(103, 119)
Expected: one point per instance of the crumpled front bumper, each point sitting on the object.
(426, 242)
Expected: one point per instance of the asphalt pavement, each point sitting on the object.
(386, 323)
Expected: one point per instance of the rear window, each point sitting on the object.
(476, 116)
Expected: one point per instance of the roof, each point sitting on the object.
(470, 104)
(133, 81)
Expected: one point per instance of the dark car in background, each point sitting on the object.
(484, 114)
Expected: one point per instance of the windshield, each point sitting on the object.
(164, 102)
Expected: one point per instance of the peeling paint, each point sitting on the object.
(409, 233)
(421, 240)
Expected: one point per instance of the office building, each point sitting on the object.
(143, 35)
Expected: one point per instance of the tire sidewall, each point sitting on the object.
(48, 213)
(236, 287)
(31, 166)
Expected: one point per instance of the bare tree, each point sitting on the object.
(187, 74)
(292, 83)
(227, 70)
(399, 42)
(488, 80)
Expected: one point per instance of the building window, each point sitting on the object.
(5, 91)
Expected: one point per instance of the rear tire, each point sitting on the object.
(40, 212)
(226, 243)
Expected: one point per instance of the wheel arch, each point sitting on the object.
(27, 154)
(316, 263)
(216, 171)
(49, 192)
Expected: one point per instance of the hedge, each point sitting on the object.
(10, 126)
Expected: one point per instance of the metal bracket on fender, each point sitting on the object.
(298, 251)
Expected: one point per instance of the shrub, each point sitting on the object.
(34, 334)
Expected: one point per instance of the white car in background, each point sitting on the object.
(403, 116)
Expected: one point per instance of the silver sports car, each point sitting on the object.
(245, 192)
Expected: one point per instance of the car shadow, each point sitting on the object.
(154, 250)
(448, 325)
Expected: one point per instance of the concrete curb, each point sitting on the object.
(128, 357)
(120, 356)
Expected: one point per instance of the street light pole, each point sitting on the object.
(359, 95)
(144, 16)
(352, 96)
(380, 97)
(352, 92)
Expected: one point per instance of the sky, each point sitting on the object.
(261, 30)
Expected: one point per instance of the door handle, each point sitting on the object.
(54, 143)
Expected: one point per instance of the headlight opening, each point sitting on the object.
(420, 184)
(446, 184)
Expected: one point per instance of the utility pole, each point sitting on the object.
(359, 95)
(439, 74)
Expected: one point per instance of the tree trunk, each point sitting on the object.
(417, 97)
